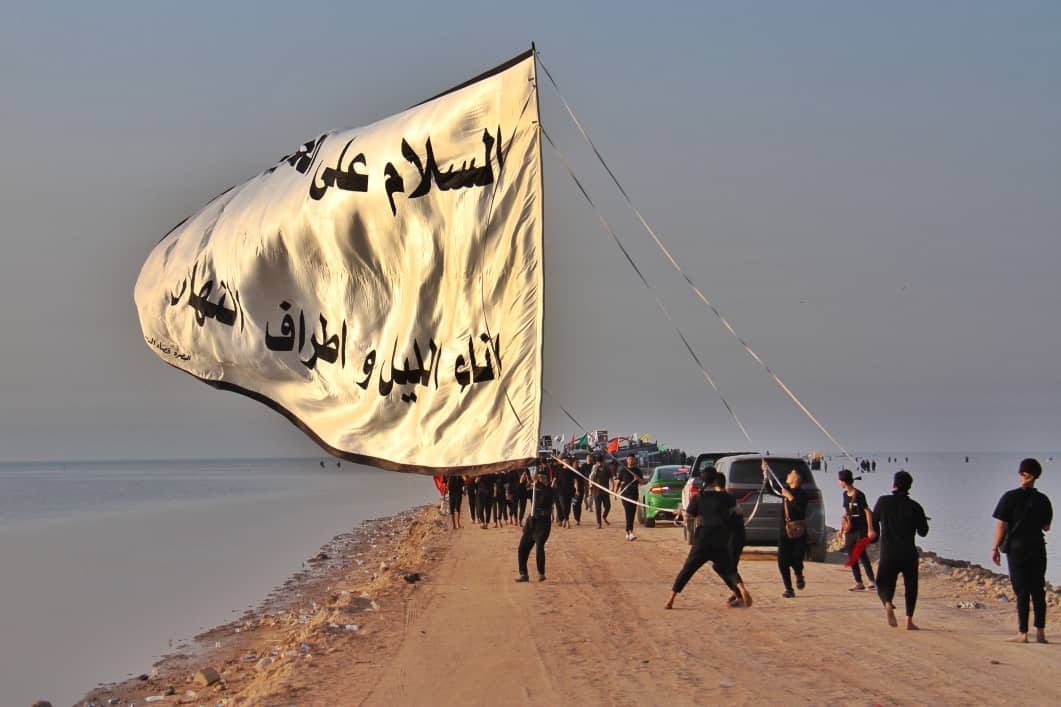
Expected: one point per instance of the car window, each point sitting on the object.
(672, 474)
(746, 471)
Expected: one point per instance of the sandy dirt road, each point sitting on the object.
(596, 633)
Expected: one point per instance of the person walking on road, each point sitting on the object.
(536, 529)
(895, 519)
(1023, 515)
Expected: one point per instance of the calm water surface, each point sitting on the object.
(104, 563)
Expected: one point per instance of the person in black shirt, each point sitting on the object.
(485, 499)
(790, 551)
(581, 485)
(603, 475)
(629, 480)
(536, 529)
(455, 489)
(471, 487)
(901, 517)
(735, 544)
(715, 509)
(565, 491)
(1025, 514)
(855, 525)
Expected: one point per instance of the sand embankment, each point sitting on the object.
(353, 630)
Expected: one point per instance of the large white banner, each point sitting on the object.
(381, 286)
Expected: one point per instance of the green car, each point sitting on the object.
(662, 494)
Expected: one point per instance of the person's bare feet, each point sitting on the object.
(1040, 636)
(889, 613)
(911, 626)
(668, 605)
(1019, 638)
(745, 595)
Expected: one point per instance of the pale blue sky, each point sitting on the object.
(869, 192)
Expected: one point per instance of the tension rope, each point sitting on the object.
(696, 290)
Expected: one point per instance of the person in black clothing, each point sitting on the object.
(901, 517)
(472, 489)
(536, 530)
(565, 490)
(1025, 514)
(485, 500)
(629, 480)
(735, 544)
(602, 500)
(581, 486)
(455, 489)
(716, 510)
(790, 551)
(854, 526)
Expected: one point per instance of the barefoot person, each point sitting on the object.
(629, 480)
(715, 509)
(900, 517)
(855, 525)
(1024, 514)
(455, 488)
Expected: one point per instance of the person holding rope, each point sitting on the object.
(630, 479)
(602, 475)
(855, 524)
(1023, 515)
(536, 529)
(736, 540)
(790, 550)
(711, 543)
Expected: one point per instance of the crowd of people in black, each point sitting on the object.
(561, 490)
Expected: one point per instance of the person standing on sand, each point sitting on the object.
(629, 480)
(485, 500)
(455, 489)
(737, 537)
(711, 543)
(536, 529)
(471, 488)
(580, 492)
(901, 517)
(602, 500)
(1025, 514)
(855, 525)
(790, 551)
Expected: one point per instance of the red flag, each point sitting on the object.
(440, 484)
(857, 551)
(613, 446)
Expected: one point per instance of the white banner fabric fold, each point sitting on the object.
(381, 286)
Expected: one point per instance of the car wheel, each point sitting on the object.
(641, 515)
(650, 522)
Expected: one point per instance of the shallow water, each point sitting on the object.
(104, 564)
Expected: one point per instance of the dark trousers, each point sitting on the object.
(535, 533)
(563, 507)
(486, 507)
(455, 503)
(1027, 574)
(576, 508)
(521, 508)
(850, 540)
(790, 553)
(888, 571)
(603, 503)
(472, 511)
(630, 508)
(700, 553)
(500, 509)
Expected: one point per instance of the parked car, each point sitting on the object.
(700, 464)
(662, 494)
(744, 478)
